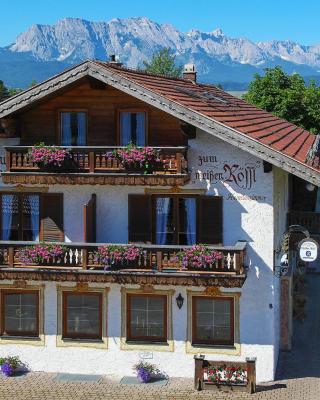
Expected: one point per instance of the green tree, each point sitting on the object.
(4, 92)
(163, 63)
(14, 91)
(288, 97)
(33, 83)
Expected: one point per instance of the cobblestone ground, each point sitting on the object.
(42, 386)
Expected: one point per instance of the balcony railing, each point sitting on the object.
(81, 256)
(309, 220)
(96, 160)
(93, 165)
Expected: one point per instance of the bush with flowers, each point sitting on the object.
(9, 365)
(133, 157)
(40, 253)
(48, 156)
(114, 255)
(226, 375)
(198, 256)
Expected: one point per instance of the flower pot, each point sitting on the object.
(143, 375)
(6, 369)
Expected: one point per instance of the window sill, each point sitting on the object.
(81, 340)
(146, 343)
(146, 346)
(194, 348)
(16, 337)
(214, 346)
(27, 340)
(91, 343)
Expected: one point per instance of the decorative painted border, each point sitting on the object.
(82, 288)
(148, 289)
(220, 350)
(40, 341)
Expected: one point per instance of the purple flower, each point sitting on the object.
(6, 369)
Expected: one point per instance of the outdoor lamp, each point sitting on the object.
(310, 187)
(180, 301)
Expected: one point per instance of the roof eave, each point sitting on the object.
(114, 78)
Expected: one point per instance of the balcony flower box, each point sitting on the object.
(41, 254)
(196, 258)
(50, 158)
(137, 159)
(117, 256)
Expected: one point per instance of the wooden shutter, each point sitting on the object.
(210, 218)
(89, 213)
(140, 218)
(51, 227)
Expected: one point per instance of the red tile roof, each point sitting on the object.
(232, 112)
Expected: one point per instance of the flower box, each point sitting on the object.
(137, 159)
(41, 253)
(225, 376)
(50, 158)
(114, 257)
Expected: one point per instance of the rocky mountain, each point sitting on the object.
(46, 49)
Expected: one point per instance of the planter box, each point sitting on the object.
(225, 387)
(201, 384)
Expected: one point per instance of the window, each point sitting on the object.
(212, 320)
(175, 220)
(132, 128)
(82, 315)
(147, 317)
(170, 219)
(73, 126)
(20, 313)
(20, 216)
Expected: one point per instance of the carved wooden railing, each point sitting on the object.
(87, 159)
(309, 220)
(153, 258)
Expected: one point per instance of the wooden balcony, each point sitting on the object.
(155, 261)
(309, 220)
(93, 165)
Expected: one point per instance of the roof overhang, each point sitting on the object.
(114, 78)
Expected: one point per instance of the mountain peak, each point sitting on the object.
(217, 32)
(217, 56)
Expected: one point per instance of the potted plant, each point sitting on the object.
(9, 365)
(111, 255)
(40, 253)
(49, 157)
(136, 158)
(145, 371)
(199, 256)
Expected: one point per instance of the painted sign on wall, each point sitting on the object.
(211, 169)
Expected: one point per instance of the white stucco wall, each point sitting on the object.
(247, 215)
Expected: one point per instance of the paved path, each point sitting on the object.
(41, 386)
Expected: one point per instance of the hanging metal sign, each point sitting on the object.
(308, 250)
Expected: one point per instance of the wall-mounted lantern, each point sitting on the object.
(180, 301)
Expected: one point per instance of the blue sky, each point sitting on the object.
(254, 19)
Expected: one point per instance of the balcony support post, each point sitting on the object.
(11, 256)
(91, 162)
